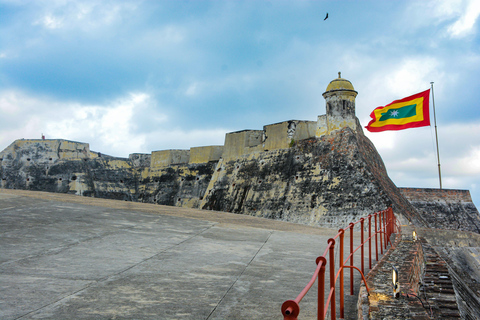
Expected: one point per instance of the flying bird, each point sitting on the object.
(326, 17)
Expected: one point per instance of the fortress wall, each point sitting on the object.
(272, 137)
(322, 126)
(429, 194)
(242, 142)
(205, 154)
(280, 135)
(276, 136)
(177, 185)
(305, 130)
(140, 159)
(322, 182)
(44, 151)
(444, 209)
(165, 158)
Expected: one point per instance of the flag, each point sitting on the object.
(409, 112)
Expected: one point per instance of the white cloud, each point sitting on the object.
(50, 22)
(466, 22)
(108, 127)
(454, 18)
(86, 15)
(411, 75)
(115, 128)
(470, 163)
(411, 160)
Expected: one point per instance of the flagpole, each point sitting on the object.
(436, 138)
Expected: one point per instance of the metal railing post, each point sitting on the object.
(370, 242)
(362, 249)
(389, 225)
(385, 229)
(351, 257)
(342, 299)
(321, 289)
(332, 278)
(381, 231)
(376, 241)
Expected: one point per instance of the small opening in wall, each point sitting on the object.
(298, 158)
(179, 199)
(183, 179)
(238, 167)
(121, 181)
(28, 179)
(1, 159)
(198, 178)
(219, 169)
(85, 159)
(259, 181)
(59, 179)
(343, 104)
(50, 159)
(4, 179)
(74, 178)
(201, 198)
(28, 159)
(296, 177)
(233, 185)
(156, 180)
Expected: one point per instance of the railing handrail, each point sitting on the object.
(291, 308)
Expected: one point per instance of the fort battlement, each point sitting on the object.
(429, 194)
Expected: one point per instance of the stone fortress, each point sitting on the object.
(324, 173)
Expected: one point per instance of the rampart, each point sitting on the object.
(445, 208)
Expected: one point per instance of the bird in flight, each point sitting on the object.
(326, 17)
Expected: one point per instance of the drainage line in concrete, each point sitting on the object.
(236, 280)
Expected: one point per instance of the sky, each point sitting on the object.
(140, 76)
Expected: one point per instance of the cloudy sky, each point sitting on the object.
(138, 76)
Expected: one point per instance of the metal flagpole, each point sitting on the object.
(436, 138)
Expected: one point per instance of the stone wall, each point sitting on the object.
(328, 181)
(444, 209)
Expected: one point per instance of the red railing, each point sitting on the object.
(384, 225)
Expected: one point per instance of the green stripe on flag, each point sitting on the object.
(403, 112)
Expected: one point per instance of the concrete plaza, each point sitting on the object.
(69, 257)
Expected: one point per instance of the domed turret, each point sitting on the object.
(340, 104)
(340, 98)
(338, 85)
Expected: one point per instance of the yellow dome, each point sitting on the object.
(340, 84)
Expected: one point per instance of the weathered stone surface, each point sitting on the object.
(445, 209)
(326, 181)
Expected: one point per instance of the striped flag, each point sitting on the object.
(409, 112)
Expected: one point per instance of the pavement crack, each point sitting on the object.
(240, 275)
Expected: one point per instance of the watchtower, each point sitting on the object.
(340, 106)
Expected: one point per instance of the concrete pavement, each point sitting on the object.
(68, 257)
